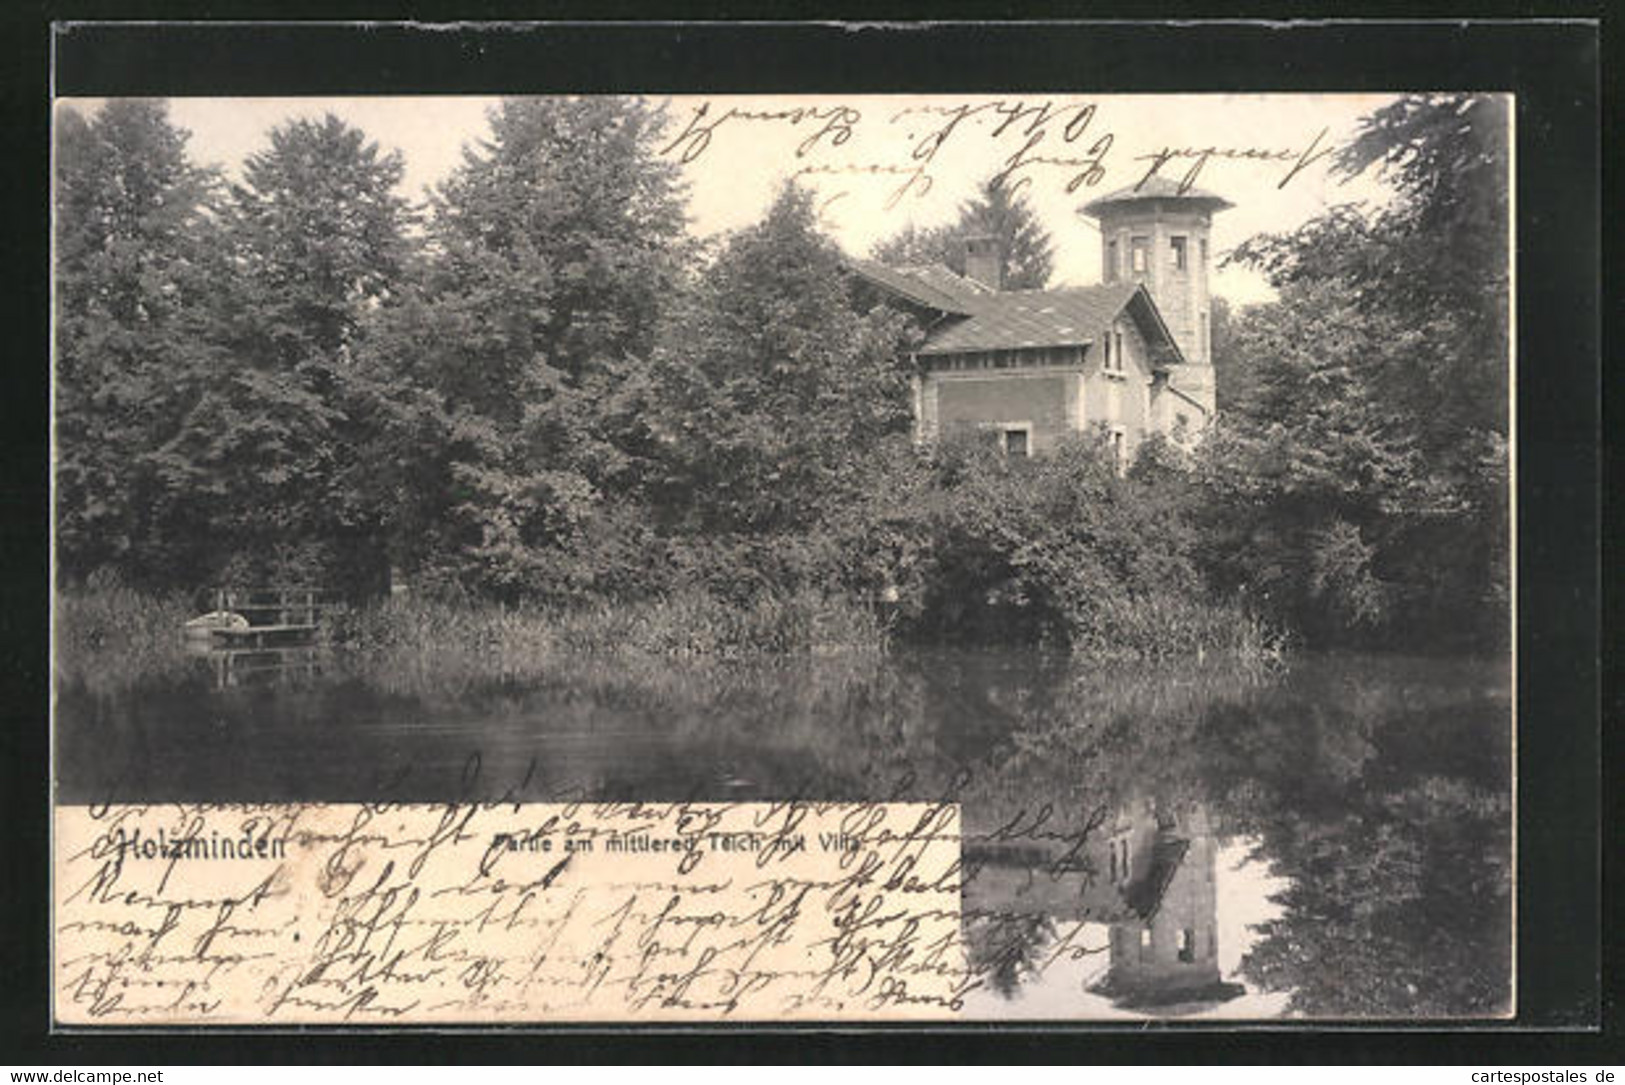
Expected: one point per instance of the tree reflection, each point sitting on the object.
(1388, 810)
(1378, 789)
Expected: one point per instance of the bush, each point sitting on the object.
(963, 545)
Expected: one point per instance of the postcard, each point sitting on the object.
(929, 558)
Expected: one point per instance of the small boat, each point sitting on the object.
(204, 625)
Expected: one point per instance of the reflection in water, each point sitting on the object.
(1096, 804)
(1147, 877)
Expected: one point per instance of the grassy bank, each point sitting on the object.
(110, 635)
(690, 624)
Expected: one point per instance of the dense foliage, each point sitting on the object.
(1359, 485)
(540, 389)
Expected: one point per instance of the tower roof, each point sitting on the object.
(1156, 188)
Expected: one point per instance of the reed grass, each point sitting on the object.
(109, 634)
(1172, 627)
(689, 624)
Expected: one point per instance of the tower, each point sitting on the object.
(1155, 234)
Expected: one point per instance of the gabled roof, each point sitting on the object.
(1033, 318)
(981, 318)
(1156, 188)
(1026, 319)
(932, 286)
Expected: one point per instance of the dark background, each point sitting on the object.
(1553, 68)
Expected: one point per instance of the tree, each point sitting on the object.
(554, 249)
(998, 210)
(135, 267)
(275, 440)
(772, 391)
(1363, 464)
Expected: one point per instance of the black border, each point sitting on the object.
(1551, 65)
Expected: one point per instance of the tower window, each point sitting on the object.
(1177, 248)
(1111, 261)
(1204, 250)
(1139, 251)
(1187, 945)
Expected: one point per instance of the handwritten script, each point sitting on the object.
(290, 914)
(1019, 139)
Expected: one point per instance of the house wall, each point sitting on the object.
(1052, 401)
(1045, 399)
(1120, 400)
(1174, 415)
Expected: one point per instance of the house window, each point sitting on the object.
(1139, 250)
(1015, 442)
(1187, 945)
(1177, 249)
(1119, 456)
(1111, 261)
(1113, 360)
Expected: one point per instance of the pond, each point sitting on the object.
(1329, 839)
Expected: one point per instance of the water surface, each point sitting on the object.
(1329, 840)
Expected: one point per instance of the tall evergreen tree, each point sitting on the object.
(997, 210)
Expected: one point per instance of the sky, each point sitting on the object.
(879, 162)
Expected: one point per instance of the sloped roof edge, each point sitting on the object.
(909, 286)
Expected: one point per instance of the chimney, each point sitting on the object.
(984, 262)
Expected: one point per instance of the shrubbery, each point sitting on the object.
(551, 398)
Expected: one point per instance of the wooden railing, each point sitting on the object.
(282, 606)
